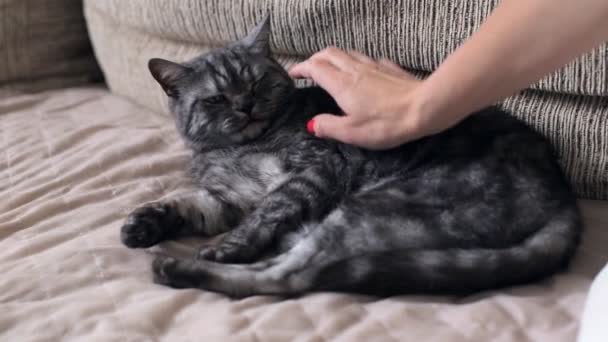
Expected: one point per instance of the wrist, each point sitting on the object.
(419, 114)
(437, 105)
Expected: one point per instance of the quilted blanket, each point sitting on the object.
(74, 162)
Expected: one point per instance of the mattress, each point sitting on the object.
(74, 162)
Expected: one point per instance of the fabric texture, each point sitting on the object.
(593, 324)
(43, 45)
(75, 162)
(416, 34)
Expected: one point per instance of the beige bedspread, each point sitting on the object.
(74, 162)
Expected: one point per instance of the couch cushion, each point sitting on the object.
(127, 34)
(416, 34)
(44, 44)
(578, 128)
(75, 162)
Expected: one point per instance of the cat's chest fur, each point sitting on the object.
(247, 173)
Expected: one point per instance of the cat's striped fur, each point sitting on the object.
(482, 205)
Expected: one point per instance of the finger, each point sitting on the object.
(333, 127)
(394, 68)
(307, 68)
(325, 74)
(361, 57)
(331, 55)
(299, 70)
(382, 65)
(340, 58)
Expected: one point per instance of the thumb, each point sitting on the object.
(331, 126)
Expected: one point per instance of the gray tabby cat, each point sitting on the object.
(480, 206)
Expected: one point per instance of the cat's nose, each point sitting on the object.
(243, 105)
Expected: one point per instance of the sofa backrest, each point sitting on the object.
(44, 44)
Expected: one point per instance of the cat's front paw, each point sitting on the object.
(144, 227)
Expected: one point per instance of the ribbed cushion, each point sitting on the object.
(126, 34)
(44, 44)
(415, 33)
(578, 128)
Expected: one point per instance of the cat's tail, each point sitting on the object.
(457, 271)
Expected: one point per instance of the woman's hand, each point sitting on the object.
(376, 97)
(517, 45)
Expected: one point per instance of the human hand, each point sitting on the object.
(375, 96)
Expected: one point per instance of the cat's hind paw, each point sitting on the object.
(162, 268)
(175, 273)
(227, 253)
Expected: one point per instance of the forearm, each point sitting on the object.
(521, 41)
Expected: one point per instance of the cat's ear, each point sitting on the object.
(167, 74)
(258, 40)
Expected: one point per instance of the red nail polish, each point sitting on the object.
(310, 126)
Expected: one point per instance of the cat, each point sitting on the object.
(480, 206)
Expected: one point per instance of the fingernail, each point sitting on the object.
(310, 126)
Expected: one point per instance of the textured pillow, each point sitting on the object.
(44, 44)
(417, 34)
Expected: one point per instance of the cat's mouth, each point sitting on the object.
(249, 127)
(261, 115)
(255, 127)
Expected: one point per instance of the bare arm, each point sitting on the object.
(519, 43)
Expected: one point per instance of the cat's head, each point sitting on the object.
(227, 96)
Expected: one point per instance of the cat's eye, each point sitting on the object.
(213, 100)
(255, 84)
